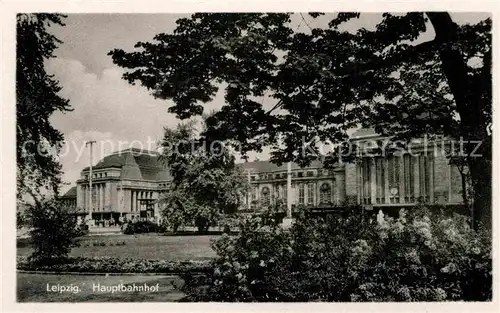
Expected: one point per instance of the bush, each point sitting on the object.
(421, 256)
(53, 232)
(141, 227)
(116, 265)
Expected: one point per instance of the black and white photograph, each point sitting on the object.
(253, 157)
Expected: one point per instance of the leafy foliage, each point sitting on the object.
(421, 256)
(141, 227)
(53, 231)
(20, 220)
(325, 81)
(206, 180)
(36, 100)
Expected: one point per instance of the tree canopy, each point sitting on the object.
(38, 142)
(205, 179)
(325, 81)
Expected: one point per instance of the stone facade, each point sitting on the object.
(127, 184)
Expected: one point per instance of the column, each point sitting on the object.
(134, 200)
(79, 196)
(386, 180)
(401, 178)
(449, 184)
(289, 189)
(359, 182)
(87, 198)
(315, 198)
(334, 197)
(431, 179)
(416, 172)
(84, 198)
(339, 184)
(108, 194)
(373, 181)
(127, 200)
(101, 196)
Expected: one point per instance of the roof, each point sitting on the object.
(70, 194)
(268, 166)
(364, 132)
(135, 164)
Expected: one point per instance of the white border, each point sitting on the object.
(9, 8)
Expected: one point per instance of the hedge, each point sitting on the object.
(118, 265)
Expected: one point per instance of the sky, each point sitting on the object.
(116, 114)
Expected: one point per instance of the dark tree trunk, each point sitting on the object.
(465, 195)
(470, 106)
(480, 171)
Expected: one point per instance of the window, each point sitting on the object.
(252, 178)
(325, 193)
(265, 196)
(310, 193)
(106, 174)
(301, 193)
(310, 173)
(283, 175)
(285, 192)
(277, 176)
(300, 174)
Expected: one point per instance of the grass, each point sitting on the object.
(33, 288)
(144, 246)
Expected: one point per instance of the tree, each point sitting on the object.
(206, 180)
(36, 100)
(326, 82)
(53, 231)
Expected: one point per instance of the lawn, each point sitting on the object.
(33, 288)
(144, 246)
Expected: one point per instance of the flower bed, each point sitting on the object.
(117, 265)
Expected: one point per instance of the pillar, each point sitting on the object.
(359, 182)
(386, 181)
(401, 178)
(373, 181)
(431, 179)
(416, 175)
(101, 196)
(79, 197)
(289, 189)
(134, 200)
(339, 185)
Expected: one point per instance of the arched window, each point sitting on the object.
(265, 196)
(325, 193)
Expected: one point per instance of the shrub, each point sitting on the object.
(141, 227)
(53, 232)
(421, 256)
